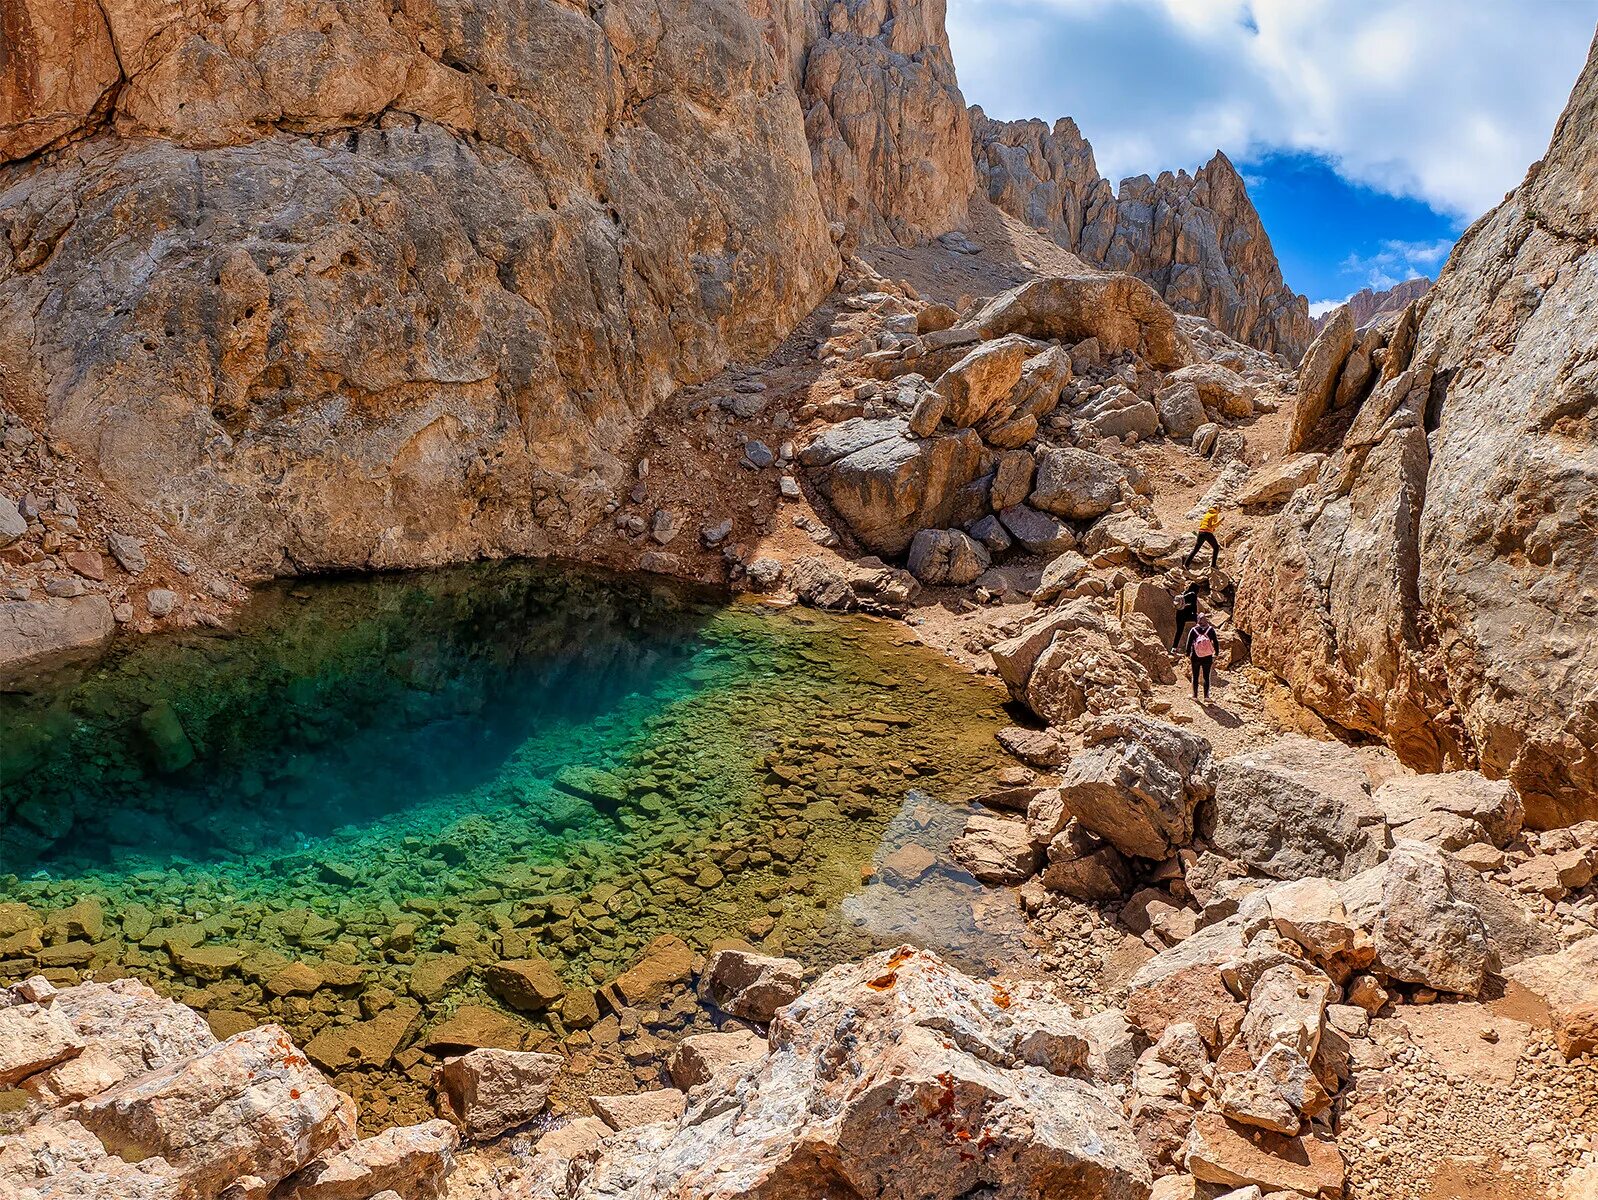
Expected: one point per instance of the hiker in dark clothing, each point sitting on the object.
(1201, 643)
(1186, 613)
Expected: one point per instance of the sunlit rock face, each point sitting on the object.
(1437, 588)
(390, 284)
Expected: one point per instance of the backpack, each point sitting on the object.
(1203, 647)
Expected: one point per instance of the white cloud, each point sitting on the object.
(1319, 308)
(1397, 261)
(1444, 101)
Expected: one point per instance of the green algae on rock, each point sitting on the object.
(366, 810)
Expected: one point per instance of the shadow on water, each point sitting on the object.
(334, 703)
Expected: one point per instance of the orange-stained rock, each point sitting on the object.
(57, 72)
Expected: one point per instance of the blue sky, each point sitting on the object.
(1372, 132)
(1333, 237)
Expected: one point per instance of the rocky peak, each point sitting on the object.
(1196, 238)
(1367, 303)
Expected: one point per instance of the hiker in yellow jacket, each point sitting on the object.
(1206, 535)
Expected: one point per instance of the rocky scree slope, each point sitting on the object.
(1435, 588)
(1195, 238)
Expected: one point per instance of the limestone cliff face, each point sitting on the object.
(379, 284)
(1367, 303)
(1440, 588)
(887, 124)
(1195, 238)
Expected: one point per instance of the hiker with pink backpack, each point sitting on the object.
(1201, 643)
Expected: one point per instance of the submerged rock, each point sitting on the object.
(753, 986)
(35, 634)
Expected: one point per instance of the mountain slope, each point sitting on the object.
(1367, 302)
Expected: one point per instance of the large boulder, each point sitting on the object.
(1275, 483)
(998, 849)
(1180, 409)
(888, 485)
(489, 1091)
(33, 1037)
(63, 1159)
(1129, 422)
(1221, 390)
(753, 986)
(1136, 784)
(1425, 928)
(130, 1029)
(252, 1105)
(1317, 376)
(983, 380)
(1071, 663)
(1076, 484)
(1084, 865)
(700, 1057)
(1151, 601)
(869, 585)
(1120, 312)
(858, 1064)
(1038, 532)
(1043, 378)
(1296, 808)
(1452, 809)
(1567, 982)
(407, 1161)
(1224, 1153)
(947, 557)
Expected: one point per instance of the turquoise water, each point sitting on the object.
(483, 762)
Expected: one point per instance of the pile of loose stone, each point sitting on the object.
(983, 434)
(1291, 895)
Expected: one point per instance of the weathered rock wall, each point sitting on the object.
(887, 124)
(382, 285)
(1196, 238)
(1438, 589)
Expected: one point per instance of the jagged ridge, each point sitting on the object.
(1196, 238)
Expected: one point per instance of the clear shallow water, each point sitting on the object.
(484, 762)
